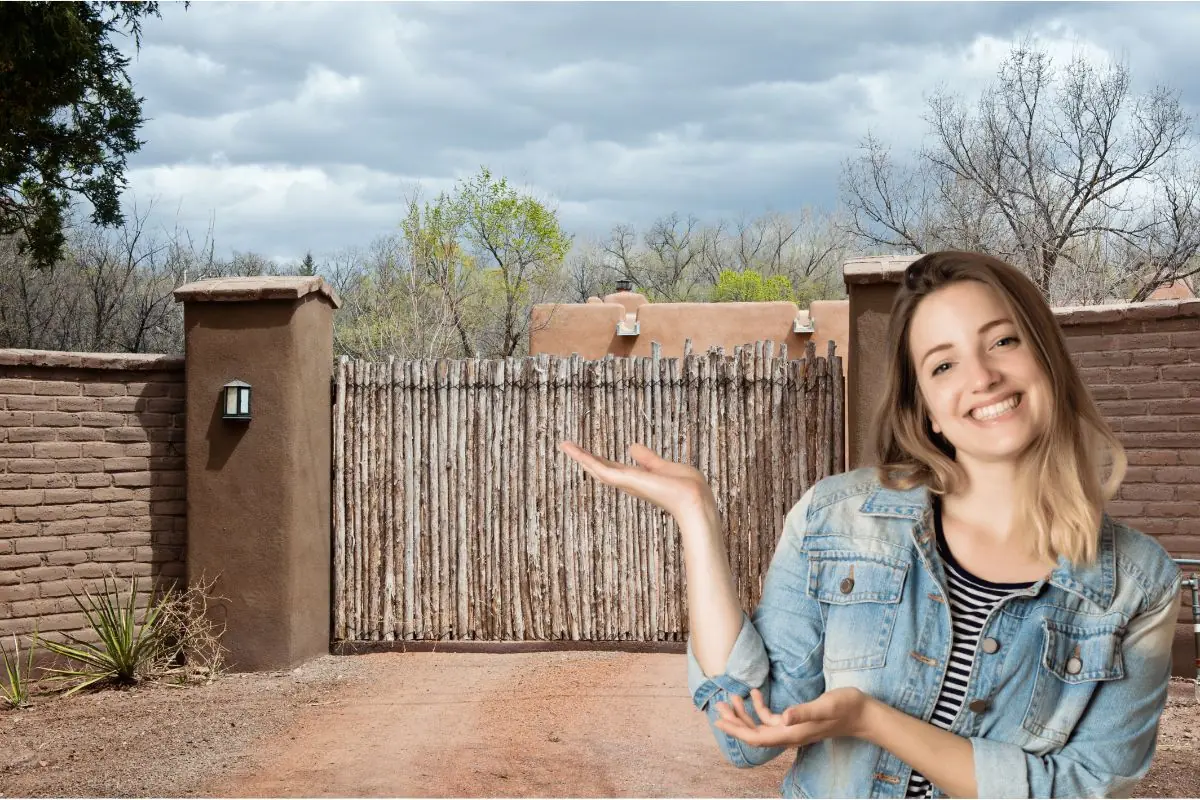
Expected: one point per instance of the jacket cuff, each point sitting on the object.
(746, 668)
(1000, 769)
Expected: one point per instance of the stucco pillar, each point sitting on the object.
(871, 284)
(258, 491)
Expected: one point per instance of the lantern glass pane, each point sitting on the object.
(244, 400)
(231, 400)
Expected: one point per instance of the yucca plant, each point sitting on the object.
(16, 693)
(126, 651)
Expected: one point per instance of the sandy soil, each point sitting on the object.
(424, 724)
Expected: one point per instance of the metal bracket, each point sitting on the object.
(624, 328)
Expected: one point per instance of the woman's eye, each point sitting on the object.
(1006, 339)
(938, 368)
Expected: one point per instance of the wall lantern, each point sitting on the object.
(235, 400)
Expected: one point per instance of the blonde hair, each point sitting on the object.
(1060, 496)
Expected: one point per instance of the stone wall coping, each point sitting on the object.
(1119, 312)
(876, 269)
(264, 287)
(139, 362)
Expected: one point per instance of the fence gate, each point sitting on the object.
(456, 516)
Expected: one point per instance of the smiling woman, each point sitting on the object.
(962, 619)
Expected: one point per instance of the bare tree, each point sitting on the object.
(1046, 161)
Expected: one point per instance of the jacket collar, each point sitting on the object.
(1095, 582)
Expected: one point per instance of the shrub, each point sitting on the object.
(16, 692)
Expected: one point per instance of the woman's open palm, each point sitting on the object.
(678, 489)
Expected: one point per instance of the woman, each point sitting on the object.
(962, 621)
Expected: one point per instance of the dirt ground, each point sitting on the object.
(424, 724)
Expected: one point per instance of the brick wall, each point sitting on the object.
(1142, 364)
(92, 479)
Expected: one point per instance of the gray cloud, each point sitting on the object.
(302, 125)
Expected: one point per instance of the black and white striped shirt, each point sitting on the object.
(971, 600)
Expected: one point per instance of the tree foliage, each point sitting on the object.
(68, 115)
(1062, 170)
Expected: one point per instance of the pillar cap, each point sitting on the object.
(263, 287)
(876, 269)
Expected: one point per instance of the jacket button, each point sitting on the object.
(990, 645)
(1074, 666)
(978, 706)
(847, 585)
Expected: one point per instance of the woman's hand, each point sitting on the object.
(678, 489)
(839, 712)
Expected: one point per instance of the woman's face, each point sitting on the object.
(983, 387)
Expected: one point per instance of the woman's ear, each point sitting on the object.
(936, 428)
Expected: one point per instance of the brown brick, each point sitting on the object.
(1122, 408)
(1189, 424)
(1157, 424)
(80, 434)
(14, 530)
(1179, 406)
(130, 539)
(1124, 509)
(1110, 358)
(67, 557)
(80, 465)
(106, 524)
(1188, 441)
(126, 435)
(103, 554)
(1146, 491)
(104, 389)
(16, 419)
(125, 405)
(55, 419)
(132, 508)
(50, 481)
(102, 449)
(1109, 392)
(1139, 474)
(125, 464)
(30, 403)
(39, 544)
(101, 419)
(1093, 376)
(45, 573)
(26, 560)
(1143, 341)
(166, 493)
(1181, 372)
(20, 591)
(1177, 475)
(175, 477)
(54, 496)
(127, 479)
(177, 389)
(149, 389)
(7, 515)
(58, 388)
(1186, 341)
(165, 405)
(22, 450)
(62, 588)
(57, 449)
(64, 527)
(165, 434)
(1132, 375)
(78, 404)
(1089, 344)
(44, 607)
(1173, 510)
(93, 480)
(14, 386)
(1161, 357)
(21, 497)
(28, 465)
(110, 495)
(148, 420)
(1151, 525)
(85, 541)
(32, 434)
(168, 507)
(1176, 544)
(172, 538)
(14, 481)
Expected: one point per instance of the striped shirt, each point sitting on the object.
(971, 601)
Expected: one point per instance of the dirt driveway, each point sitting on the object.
(424, 724)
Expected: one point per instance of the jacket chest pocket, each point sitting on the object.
(1075, 660)
(860, 596)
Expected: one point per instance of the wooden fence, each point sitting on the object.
(457, 517)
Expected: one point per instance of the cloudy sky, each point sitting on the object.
(302, 126)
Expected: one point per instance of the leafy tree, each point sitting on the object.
(748, 286)
(68, 115)
(308, 267)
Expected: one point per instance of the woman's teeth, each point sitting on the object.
(995, 410)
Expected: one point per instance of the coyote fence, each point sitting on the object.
(456, 517)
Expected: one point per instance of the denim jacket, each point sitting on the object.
(1072, 696)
